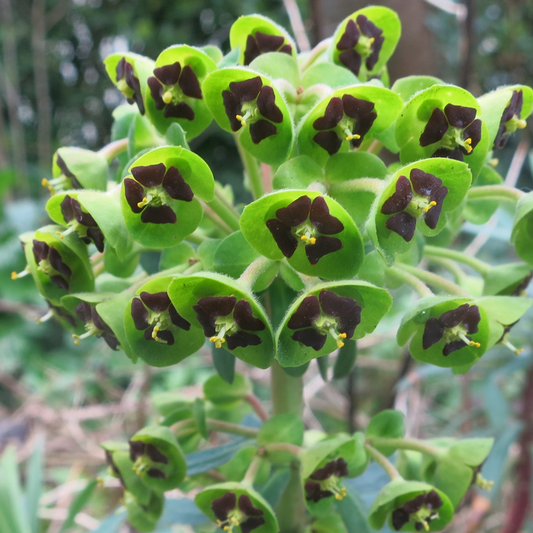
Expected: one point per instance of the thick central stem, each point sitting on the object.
(287, 397)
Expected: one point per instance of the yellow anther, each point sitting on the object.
(305, 238)
(468, 141)
(312, 240)
(61, 236)
(14, 275)
(468, 146)
(426, 526)
(475, 344)
(430, 205)
(218, 341)
(518, 351)
(340, 344)
(371, 40)
(143, 202)
(44, 182)
(76, 339)
(521, 124)
(240, 118)
(352, 137)
(494, 161)
(100, 482)
(167, 97)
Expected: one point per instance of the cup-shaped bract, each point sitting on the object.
(235, 505)
(158, 198)
(346, 119)
(247, 103)
(144, 517)
(156, 331)
(417, 196)
(157, 458)
(364, 41)
(256, 35)
(505, 110)
(443, 121)
(321, 319)
(312, 231)
(175, 90)
(77, 168)
(410, 506)
(59, 266)
(130, 72)
(227, 314)
(522, 235)
(324, 465)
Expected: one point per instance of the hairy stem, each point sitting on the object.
(435, 280)
(253, 271)
(113, 149)
(232, 429)
(252, 471)
(409, 279)
(479, 266)
(404, 444)
(282, 447)
(373, 185)
(451, 266)
(495, 192)
(383, 462)
(227, 214)
(257, 406)
(252, 169)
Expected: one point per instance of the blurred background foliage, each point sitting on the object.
(54, 92)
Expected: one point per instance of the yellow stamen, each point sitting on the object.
(340, 344)
(468, 146)
(76, 339)
(353, 137)
(44, 318)
(475, 344)
(305, 238)
(218, 341)
(17, 275)
(494, 161)
(61, 236)
(430, 205)
(426, 526)
(143, 202)
(241, 119)
(371, 40)
(44, 182)
(167, 97)
(521, 124)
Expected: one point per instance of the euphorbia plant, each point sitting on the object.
(301, 272)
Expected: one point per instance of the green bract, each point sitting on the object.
(159, 201)
(265, 128)
(347, 118)
(77, 168)
(389, 424)
(271, 38)
(175, 93)
(312, 231)
(158, 459)
(396, 494)
(364, 41)
(522, 235)
(227, 314)
(418, 196)
(321, 319)
(144, 517)
(155, 331)
(443, 121)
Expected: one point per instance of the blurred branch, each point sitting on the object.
(517, 163)
(467, 44)
(42, 93)
(9, 79)
(297, 25)
(450, 7)
(56, 14)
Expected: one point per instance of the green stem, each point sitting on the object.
(229, 427)
(253, 271)
(220, 223)
(404, 444)
(287, 397)
(111, 150)
(495, 192)
(315, 53)
(383, 462)
(196, 238)
(373, 185)
(413, 282)
(227, 214)
(193, 268)
(252, 169)
(252, 471)
(479, 266)
(450, 266)
(435, 280)
(282, 447)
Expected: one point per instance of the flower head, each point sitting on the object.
(456, 130)
(510, 120)
(147, 459)
(421, 510)
(309, 223)
(226, 320)
(406, 207)
(155, 315)
(94, 325)
(324, 482)
(360, 43)
(347, 119)
(171, 87)
(81, 222)
(231, 513)
(251, 102)
(153, 188)
(260, 43)
(453, 327)
(327, 314)
(128, 84)
(50, 263)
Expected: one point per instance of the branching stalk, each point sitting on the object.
(414, 282)
(495, 192)
(389, 468)
(435, 280)
(480, 267)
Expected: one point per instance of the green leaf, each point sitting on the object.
(176, 136)
(328, 73)
(480, 211)
(34, 485)
(89, 169)
(471, 452)
(506, 279)
(297, 173)
(234, 255)
(410, 85)
(181, 254)
(224, 363)
(77, 505)
(199, 417)
(287, 427)
(277, 65)
(323, 366)
(353, 512)
(522, 233)
(389, 424)
(345, 360)
(224, 394)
